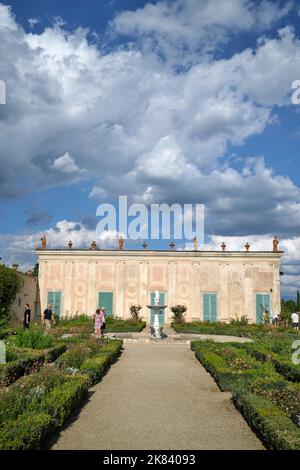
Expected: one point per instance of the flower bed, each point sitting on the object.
(36, 405)
(25, 361)
(268, 402)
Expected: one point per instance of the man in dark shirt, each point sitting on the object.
(26, 319)
(48, 316)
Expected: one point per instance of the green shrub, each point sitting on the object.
(272, 425)
(21, 362)
(288, 370)
(63, 399)
(218, 328)
(77, 320)
(73, 358)
(26, 432)
(11, 371)
(95, 367)
(112, 347)
(33, 339)
(53, 353)
(50, 395)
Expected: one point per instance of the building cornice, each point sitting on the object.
(159, 253)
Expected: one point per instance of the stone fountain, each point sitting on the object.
(157, 329)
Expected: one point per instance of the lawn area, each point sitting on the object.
(264, 381)
(44, 381)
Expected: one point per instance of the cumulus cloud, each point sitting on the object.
(179, 29)
(21, 248)
(154, 118)
(66, 164)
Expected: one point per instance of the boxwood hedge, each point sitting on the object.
(39, 404)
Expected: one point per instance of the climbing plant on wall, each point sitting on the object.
(10, 284)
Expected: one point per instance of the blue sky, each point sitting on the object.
(183, 101)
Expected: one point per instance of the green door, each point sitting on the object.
(105, 300)
(262, 303)
(210, 307)
(161, 313)
(54, 299)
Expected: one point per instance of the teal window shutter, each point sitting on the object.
(213, 308)
(206, 307)
(54, 298)
(262, 303)
(210, 307)
(105, 299)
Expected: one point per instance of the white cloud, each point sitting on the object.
(21, 248)
(33, 22)
(66, 164)
(137, 126)
(177, 29)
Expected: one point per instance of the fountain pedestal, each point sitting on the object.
(157, 329)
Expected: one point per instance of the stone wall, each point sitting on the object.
(29, 294)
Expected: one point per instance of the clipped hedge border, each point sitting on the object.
(275, 429)
(26, 432)
(30, 429)
(13, 370)
(96, 366)
(289, 371)
(226, 378)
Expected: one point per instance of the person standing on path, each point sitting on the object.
(26, 319)
(103, 323)
(99, 320)
(48, 317)
(295, 320)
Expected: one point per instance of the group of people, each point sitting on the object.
(48, 319)
(277, 320)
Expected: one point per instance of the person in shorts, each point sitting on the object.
(48, 317)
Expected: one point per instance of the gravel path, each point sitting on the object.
(158, 396)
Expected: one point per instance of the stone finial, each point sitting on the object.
(275, 245)
(145, 246)
(172, 246)
(195, 241)
(121, 243)
(223, 246)
(70, 244)
(44, 242)
(93, 246)
(247, 246)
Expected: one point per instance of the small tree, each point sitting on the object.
(135, 312)
(179, 312)
(10, 284)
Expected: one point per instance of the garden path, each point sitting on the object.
(158, 396)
